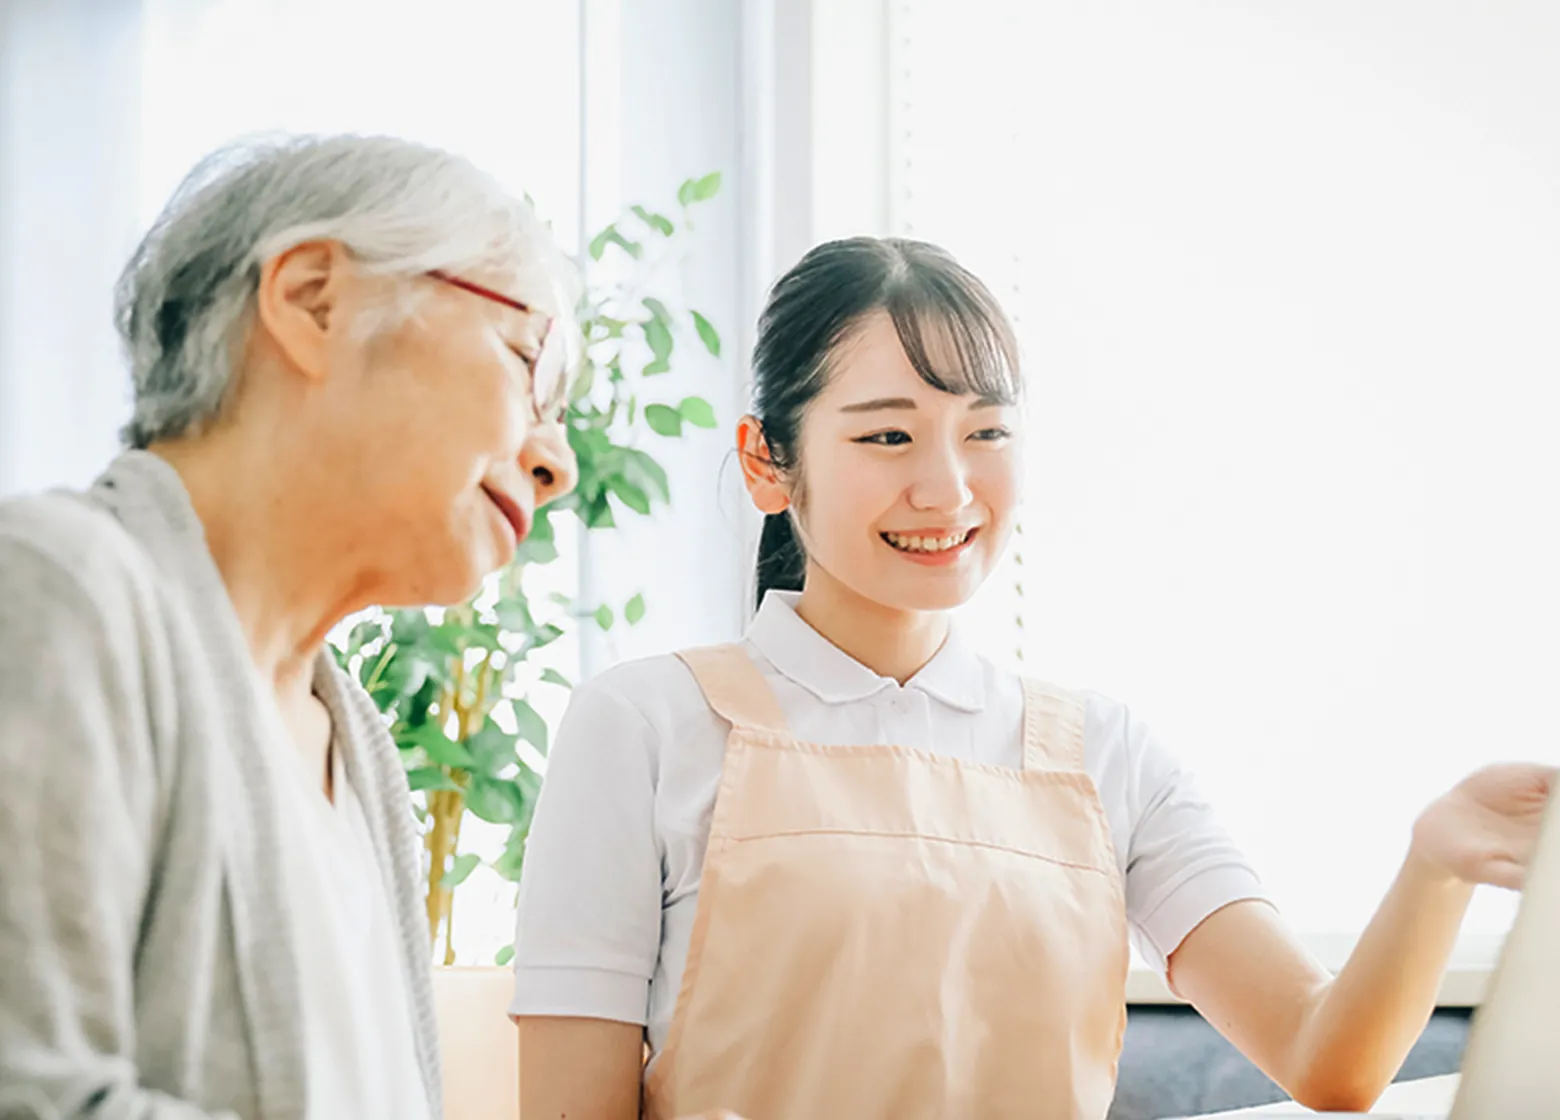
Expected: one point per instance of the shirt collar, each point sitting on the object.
(956, 675)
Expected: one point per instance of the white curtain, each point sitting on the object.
(1286, 278)
(69, 114)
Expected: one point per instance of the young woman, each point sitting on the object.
(848, 867)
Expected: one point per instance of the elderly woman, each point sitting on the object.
(348, 361)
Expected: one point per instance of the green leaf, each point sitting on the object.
(663, 421)
(497, 801)
(552, 676)
(629, 494)
(456, 634)
(504, 956)
(598, 244)
(657, 222)
(363, 634)
(698, 412)
(598, 515)
(707, 334)
(403, 675)
(706, 188)
(429, 778)
(628, 245)
(514, 615)
(645, 473)
(536, 552)
(372, 669)
(544, 636)
(492, 747)
(604, 617)
(417, 709)
(538, 546)
(659, 337)
(541, 527)
(656, 367)
(699, 190)
(460, 870)
(611, 236)
(634, 611)
(530, 724)
(509, 864)
(609, 326)
(409, 627)
(438, 746)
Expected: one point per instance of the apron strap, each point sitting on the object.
(1053, 728)
(734, 688)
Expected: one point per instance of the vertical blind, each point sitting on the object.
(1286, 277)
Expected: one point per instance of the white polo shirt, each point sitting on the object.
(612, 867)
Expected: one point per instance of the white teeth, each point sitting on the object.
(927, 544)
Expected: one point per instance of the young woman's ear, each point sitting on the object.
(764, 482)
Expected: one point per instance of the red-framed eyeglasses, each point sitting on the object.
(549, 387)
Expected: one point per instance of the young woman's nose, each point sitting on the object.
(942, 482)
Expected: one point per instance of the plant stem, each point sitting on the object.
(437, 843)
(379, 667)
(457, 814)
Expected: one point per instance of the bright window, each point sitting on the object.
(1286, 279)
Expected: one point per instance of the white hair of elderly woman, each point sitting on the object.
(184, 302)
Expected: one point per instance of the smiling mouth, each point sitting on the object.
(929, 543)
(512, 512)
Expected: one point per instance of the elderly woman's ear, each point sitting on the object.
(299, 302)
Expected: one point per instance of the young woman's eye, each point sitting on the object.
(887, 439)
(992, 435)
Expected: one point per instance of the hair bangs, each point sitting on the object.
(956, 336)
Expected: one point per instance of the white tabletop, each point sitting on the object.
(1433, 1097)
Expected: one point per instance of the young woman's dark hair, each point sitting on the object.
(937, 307)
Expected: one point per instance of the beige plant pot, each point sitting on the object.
(478, 1043)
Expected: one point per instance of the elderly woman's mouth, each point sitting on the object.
(512, 512)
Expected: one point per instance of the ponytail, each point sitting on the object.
(782, 564)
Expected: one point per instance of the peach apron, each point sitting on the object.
(883, 932)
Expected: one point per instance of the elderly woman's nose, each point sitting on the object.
(549, 461)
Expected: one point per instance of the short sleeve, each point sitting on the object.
(588, 931)
(1181, 864)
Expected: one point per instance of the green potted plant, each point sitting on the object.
(456, 685)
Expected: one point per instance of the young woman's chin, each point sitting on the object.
(919, 594)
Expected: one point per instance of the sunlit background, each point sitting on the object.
(1285, 276)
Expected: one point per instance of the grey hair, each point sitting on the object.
(184, 303)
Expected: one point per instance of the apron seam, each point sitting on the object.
(957, 841)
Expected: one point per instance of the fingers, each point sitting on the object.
(1504, 872)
